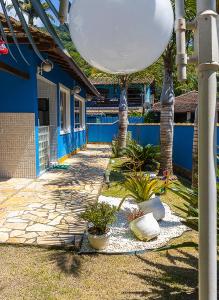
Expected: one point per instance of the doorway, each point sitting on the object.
(47, 122)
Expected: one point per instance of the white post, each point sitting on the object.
(180, 29)
(207, 68)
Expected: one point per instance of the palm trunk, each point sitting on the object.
(123, 116)
(195, 153)
(167, 123)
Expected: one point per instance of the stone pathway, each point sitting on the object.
(45, 211)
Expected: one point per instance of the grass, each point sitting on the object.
(34, 273)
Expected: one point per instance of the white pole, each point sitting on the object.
(180, 29)
(207, 68)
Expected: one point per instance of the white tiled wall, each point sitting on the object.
(17, 145)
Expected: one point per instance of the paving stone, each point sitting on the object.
(56, 221)
(43, 213)
(15, 233)
(30, 241)
(16, 220)
(53, 215)
(49, 206)
(18, 226)
(14, 214)
(35, 205)
(16, 240)
(30, 235)
(4, 229)
(3, 237)
(40, 227)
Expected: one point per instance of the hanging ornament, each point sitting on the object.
(3, 48)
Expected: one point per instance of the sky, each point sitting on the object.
(37, 22)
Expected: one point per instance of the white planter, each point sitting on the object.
(155, 206)
(145, 228)
(98, 242)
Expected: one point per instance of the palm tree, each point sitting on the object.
(167, 109)
(27, 7)
(123, 113)
(167, 95)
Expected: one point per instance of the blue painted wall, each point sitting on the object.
(101, 119)
(19, 95)
(150, 134)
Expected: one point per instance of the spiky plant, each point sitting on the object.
(141, 187)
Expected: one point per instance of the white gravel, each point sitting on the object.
(123, 241)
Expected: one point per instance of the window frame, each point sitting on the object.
(82, 101)
(63, 89)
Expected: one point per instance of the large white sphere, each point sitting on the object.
(121, 36)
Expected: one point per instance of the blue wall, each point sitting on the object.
(101, 119)
(19, 95)
(150, 134)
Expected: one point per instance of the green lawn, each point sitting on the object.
(34, 273)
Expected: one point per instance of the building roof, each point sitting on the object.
(109, 110)
(104, 80)
(183, 103)
(46, 44)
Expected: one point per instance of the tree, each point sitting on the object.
(168, 97)
(27, 7)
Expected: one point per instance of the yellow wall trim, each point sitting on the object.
(62, 159)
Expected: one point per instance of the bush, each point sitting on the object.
(142, 158)
(101, 215)
(115, 146)
(151, 117)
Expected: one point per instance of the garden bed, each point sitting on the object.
(122, 241)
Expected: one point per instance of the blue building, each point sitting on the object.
(140, 96)
(42, 114)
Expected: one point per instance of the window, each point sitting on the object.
(64, 110)
(43, 111)
(79, 107)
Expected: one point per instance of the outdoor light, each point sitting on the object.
(46, 66)
(76, 90)
(122, 36)
(89, 98)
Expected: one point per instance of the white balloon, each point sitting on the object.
(121, 36)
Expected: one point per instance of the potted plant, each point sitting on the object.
(100, 215)
(144, 226)
(143, 189)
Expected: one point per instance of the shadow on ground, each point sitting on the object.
(177, 280)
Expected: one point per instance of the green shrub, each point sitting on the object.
(189, 213)
(115, 146)
(141, 187)
(142, 157)
(151, 117)
(101, 215)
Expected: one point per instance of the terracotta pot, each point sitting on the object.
(145, 228)
(98, 242)
(155, 206)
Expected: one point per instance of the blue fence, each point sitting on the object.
(100, 119)
(150, 134)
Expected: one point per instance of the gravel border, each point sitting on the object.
(122, 241)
